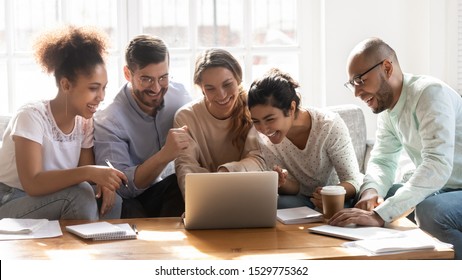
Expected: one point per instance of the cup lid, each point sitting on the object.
(333, 190)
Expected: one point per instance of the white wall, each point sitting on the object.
(422, 32)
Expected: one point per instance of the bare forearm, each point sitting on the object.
(47, 182)
(149, 170)
(290, 187)
(350, 190)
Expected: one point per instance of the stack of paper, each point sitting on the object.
(20, 226)
(356, 232)
(379, 240)
(103, 231)
(411, 240)
(11, 229)
(298, 215)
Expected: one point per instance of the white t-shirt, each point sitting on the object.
(59, 151)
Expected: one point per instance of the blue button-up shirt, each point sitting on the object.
(127, 136)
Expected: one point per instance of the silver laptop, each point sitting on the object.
(230, 200)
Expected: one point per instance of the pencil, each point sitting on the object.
(111, 166)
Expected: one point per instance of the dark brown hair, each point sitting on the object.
(275, 88)
(144, 50)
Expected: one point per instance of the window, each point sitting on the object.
(260, 33)
(21, 78)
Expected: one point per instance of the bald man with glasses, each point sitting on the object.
(423, 116)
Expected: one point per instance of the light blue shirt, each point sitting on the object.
(127, 136)
(427, 122)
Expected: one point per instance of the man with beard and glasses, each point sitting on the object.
(135, 132)
(423, 116)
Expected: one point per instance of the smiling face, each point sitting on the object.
(85, 94)
(221, 91)
(382, 99)
(375, 91)
(150, 98)
(271, 122)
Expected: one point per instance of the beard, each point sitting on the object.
(145, 97)
(384, 97)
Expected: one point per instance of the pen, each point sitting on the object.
(134, 228)
(111, 166)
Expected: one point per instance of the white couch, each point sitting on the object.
(353, 117)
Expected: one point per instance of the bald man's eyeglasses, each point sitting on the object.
(358, 79)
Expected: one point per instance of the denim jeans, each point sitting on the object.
(289, 201)
(163, 199)
(440, 214)
(75, 202)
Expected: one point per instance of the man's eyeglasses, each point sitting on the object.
(358, 79)
(147, 81)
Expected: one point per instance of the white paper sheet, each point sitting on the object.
(48, 230)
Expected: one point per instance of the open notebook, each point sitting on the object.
(103, 231)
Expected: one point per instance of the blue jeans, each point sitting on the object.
(440, 214)
(76, 202)
(163, 199)
(290, 201)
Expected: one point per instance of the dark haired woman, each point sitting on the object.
(46, 157)
(304, 145)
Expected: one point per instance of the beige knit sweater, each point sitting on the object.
(211, 145)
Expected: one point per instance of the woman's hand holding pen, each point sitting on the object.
(107, 177)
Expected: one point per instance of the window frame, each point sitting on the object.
(129, 24)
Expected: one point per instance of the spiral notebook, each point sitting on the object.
(103, 231)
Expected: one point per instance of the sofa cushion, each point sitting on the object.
(353, 117)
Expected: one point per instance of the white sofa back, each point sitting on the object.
(354, 119)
